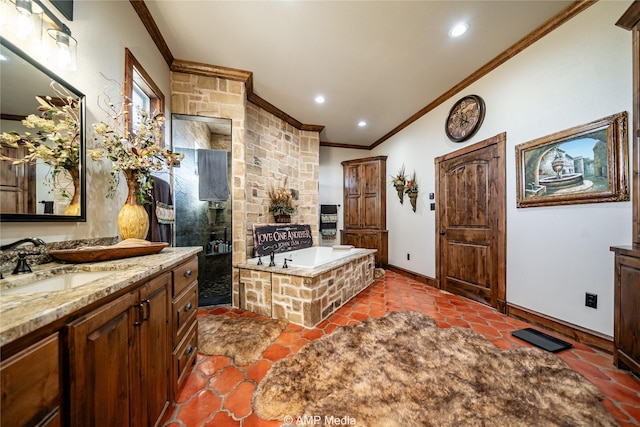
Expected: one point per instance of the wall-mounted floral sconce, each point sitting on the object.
(398, 181)
(411, 188)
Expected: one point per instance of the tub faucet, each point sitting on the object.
(285, 265)
(22, 266)
(272, 256)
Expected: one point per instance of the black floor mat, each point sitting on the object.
(542, 340)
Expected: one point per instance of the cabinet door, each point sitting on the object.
(627, 314)
(352, 196)
(371, 194)
(351, 239)
(154, 348)
(31, 385)
(100, 356)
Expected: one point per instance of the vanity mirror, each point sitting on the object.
(51, 187)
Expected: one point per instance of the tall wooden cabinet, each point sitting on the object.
(626, 350)
(365, 205)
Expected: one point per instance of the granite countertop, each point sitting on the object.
(23, 313)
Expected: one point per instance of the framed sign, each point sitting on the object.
(279, 238)
(584, 164)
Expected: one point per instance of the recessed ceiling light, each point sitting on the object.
(362, 123)
(458, 30)
(319, 99)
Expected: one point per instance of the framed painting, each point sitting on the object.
(584, 164)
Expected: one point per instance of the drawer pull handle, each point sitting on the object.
(140, 319)
(188, 307)
(146, 313)
(188, 273)
(189, 350)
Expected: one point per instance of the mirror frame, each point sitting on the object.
(8, 217)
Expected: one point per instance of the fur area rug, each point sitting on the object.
(403, 370)
(242, 338)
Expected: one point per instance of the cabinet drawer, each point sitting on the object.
(183, 358)
(185, 309)
(31, 385)
(184, 275)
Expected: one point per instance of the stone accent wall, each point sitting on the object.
(299, 299)
(264, 149)
(216, 97)
(277, 152)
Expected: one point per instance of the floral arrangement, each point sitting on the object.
(400, 178)
(56, 136)
(281, 201)
(136, 154)
(412, 184)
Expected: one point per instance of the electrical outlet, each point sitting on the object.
(408, 257)
(433, 206)
(432, 196)
(591, 300)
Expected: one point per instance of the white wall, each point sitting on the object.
(103, 30)
(578, 73)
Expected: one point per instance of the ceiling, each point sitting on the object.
(378, 61)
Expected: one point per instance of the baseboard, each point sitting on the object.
(569, 330)
(576, 333)
(415, 276)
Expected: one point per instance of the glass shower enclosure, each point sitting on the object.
(203, 201)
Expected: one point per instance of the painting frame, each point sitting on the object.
(549, 173)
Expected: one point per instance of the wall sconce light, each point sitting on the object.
(30, 17)
(66, 46)
(27, 19)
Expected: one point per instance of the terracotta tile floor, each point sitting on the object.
(218, 393)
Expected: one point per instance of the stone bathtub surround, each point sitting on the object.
(302, 296)
(25, 313)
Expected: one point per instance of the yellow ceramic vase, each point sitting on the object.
(133, 221)
(74, 207)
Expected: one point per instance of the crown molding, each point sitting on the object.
(208, 70)
(340, 145)
(147, 20)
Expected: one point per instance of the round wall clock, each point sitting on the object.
(465, 118)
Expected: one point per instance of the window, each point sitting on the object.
(140, 89)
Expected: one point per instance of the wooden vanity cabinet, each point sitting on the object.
(31, 392)
(119, 370)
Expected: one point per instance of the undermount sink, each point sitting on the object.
(58, 283)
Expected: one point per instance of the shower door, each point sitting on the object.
(205, 223)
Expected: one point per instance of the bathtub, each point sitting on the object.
(319, 281)
(310, 258)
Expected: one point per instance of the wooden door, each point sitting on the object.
(352, 199)
(471, 222)
(154, 348)
(17, 183)
(101, 360)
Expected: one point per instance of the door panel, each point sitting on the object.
(471, 238)
(352, 197)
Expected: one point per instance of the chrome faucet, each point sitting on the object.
(22, 266)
